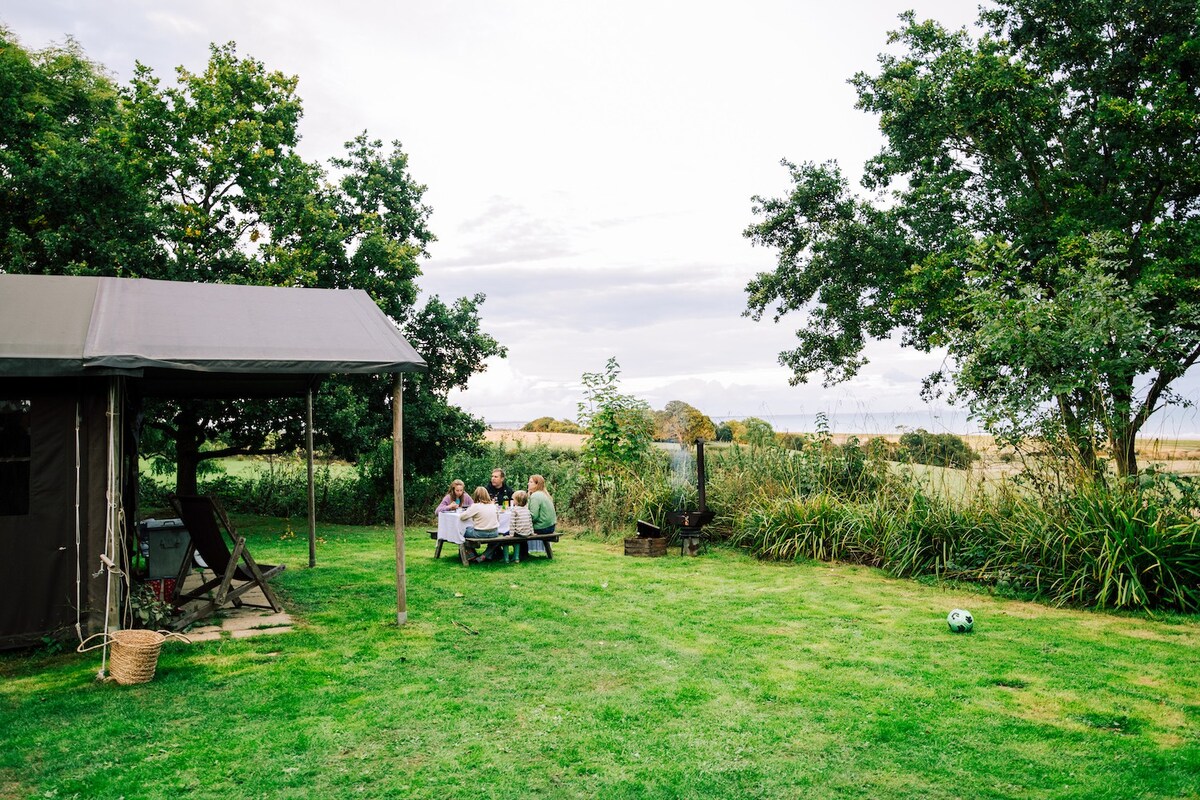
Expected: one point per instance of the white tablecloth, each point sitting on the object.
(451, 528)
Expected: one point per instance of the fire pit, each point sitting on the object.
(690, 522)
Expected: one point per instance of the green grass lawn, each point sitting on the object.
(598, 675)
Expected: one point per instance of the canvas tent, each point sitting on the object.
(76, 356)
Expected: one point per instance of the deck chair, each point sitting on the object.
(235, 570)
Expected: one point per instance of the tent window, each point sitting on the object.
(14, 457)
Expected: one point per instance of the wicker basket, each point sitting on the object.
(134, 653)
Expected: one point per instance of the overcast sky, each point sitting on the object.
(590, 167)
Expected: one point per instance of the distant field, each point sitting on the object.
(527, 438)
(250, 466)
(1181, 456)
(1176, 455)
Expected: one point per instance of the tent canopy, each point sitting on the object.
(62, 341)
(194, 339)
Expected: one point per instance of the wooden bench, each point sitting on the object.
(545, 538)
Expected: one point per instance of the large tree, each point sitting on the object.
(227, 198)
(684, 423)
(1034, 212)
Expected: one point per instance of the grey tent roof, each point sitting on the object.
(201, 333)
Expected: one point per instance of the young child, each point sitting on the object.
(522, 523)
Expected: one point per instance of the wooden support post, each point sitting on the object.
(398, 495)
(312, 491)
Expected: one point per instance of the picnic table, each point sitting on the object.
(452, 529)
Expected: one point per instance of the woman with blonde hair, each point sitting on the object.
(541, 506)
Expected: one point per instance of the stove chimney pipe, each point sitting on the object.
(700, 473)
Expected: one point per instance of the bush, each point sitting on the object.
(935, 449)
(551, 425)
(1108, 548)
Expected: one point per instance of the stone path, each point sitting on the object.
(237, 623)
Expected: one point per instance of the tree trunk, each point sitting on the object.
(1123, 443)
(1123, 424)
(1079, 437)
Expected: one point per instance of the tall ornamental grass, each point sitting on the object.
(1099, 547)
(1108, 548)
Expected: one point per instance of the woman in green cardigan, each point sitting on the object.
(541, 506)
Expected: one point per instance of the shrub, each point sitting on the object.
(935, 449)
(560, 467)
(1098, 547)
(1102, 547)
(551, 425)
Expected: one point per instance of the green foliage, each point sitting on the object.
(1105, 548)
(217, 150)
(1060, 281)
(71, 201)
(551, 425)
(200, 180)
(751, 430)
(620, 427)
(146, 610)
(744, 655)
(739, 479)
(1096, 547)
(936, 449)
(759, 433)
(680, 422)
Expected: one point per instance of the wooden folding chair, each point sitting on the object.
(234, 568)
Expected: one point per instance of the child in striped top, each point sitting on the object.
(521, 525)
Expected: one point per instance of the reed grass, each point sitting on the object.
(1079, 543)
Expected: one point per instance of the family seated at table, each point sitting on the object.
(532, 512)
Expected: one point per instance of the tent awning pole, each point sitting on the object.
(398, 494)
(312, 492)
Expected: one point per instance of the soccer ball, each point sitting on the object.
(960, 621)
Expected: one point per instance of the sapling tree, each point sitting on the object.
(620, 427)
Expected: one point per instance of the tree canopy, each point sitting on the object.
(681, 422)
(70, 201)
(204, 183)
(1033, 211)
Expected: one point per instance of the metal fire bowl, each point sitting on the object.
(690, 520)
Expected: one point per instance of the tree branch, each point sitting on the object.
(242, 451)
(1159, 386)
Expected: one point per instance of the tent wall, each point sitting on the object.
(46, 575)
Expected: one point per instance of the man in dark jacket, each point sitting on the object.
(499, 490)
